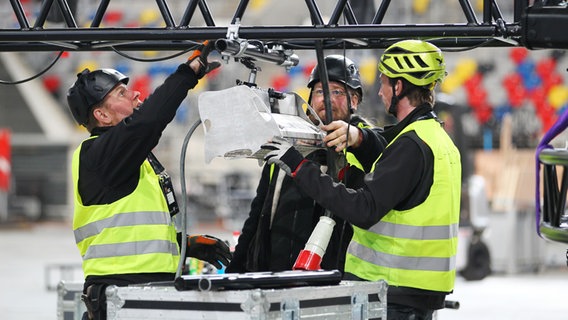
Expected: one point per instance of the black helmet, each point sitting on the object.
(340, 69)
(90, 89)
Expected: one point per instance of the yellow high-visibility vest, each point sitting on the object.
(416, 247)
(134, 234)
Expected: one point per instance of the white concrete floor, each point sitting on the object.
(26, 252)
(520, 297)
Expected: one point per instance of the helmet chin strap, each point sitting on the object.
(393, 109)
(348, 96)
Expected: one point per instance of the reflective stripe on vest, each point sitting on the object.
(134, 234)
(130, 248)
(394, 261)
(413, 232)
(416, 247)
(120, 220)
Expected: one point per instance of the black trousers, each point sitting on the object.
(95, 300)
(400, 312)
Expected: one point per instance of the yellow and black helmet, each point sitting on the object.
(419, 62)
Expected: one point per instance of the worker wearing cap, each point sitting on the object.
(124, 200)
(405, 217)
(282, 217)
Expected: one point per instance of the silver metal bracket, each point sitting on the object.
(359, 306)
(256, 306)
(232, 34)
(114, 301)
(290, 309)
(233, 30)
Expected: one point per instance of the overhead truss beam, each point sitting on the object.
(493, 30)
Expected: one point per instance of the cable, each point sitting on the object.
(482, 44)
(155, 59)
(486, 42)
(299, 46)
(4, 82)
(37, 75)
(349, 107)
(183, 209)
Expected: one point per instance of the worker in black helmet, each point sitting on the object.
(406, 216)
(344, 78)
(124, 200)
(282, 217)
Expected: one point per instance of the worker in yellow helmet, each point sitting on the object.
(405, 217)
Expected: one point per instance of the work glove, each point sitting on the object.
(283, 154)
(201, 54)
(208, 248)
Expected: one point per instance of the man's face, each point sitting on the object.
(119, 104)
(338, 96)
(385, 92)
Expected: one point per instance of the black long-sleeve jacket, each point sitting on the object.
(272, 242)
(109, 165)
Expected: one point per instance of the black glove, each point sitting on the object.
(283, 154)
(201, 54)
(208, 248)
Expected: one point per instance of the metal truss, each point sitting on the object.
(536, 26)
